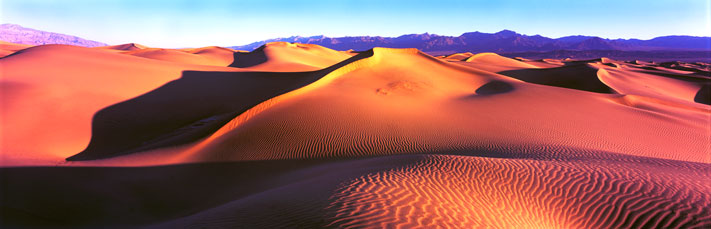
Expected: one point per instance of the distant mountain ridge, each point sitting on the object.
(505, 41)
(502, 42)
(21, 35)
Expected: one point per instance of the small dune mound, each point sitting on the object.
(699, 67)
(642, 63)
(494, 63)
(553, 61)
(655, 84)
(219, 56)
(124, 47)
(458, 56)
(284, 56)
(214, 56)
(495, 59)
(171, 56)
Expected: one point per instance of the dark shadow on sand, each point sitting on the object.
(575, 76)
(253, 58)
(704, 95)
(101, 196)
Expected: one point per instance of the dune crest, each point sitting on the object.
(284, 56)
(124, 47)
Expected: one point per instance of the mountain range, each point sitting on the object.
(504, 41)
(21, 35)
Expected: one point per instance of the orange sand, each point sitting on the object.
(296, 135)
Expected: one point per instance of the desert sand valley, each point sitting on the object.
(299, 135)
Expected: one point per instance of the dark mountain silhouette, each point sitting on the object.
(21, 35)
(505, 41)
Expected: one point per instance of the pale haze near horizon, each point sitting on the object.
(175, 24)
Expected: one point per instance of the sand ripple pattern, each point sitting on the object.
(467, 192)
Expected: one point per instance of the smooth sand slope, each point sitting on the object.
(294, 135)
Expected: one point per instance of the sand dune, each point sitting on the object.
(294, 135)
(489, 62)
(293, 57)
(458, 56)
(383, 109)
(124, 47)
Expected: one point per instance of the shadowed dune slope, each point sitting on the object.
(579, 76)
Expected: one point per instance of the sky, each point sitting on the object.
(181, 23)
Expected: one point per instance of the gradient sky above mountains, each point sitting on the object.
(178, 23)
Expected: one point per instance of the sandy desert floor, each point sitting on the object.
(298, 135)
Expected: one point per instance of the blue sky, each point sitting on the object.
(179, 23)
